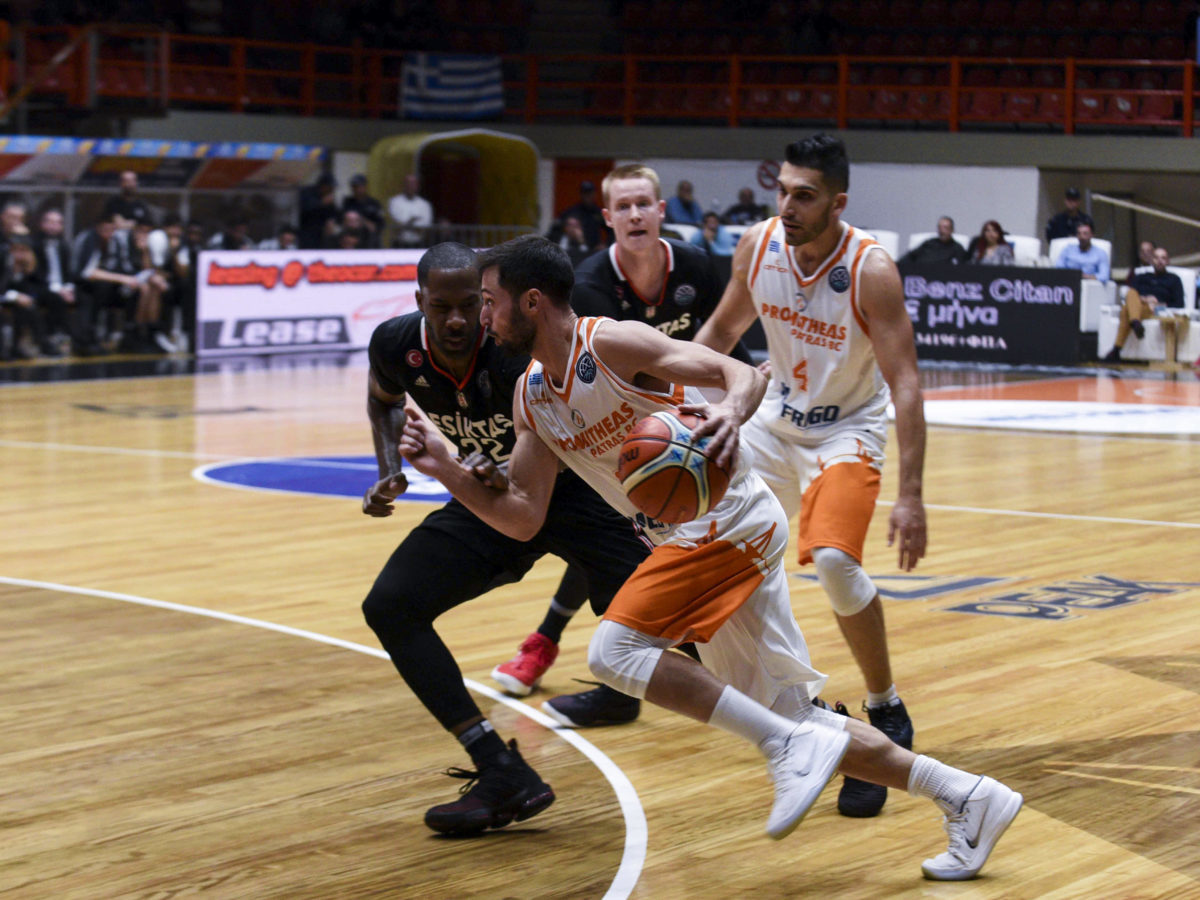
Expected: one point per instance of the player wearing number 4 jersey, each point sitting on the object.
(717, 580)
(838, 336)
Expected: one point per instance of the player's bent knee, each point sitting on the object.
(622, 658)
(849, 588)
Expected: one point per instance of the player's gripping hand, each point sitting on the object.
(485, 470)
(377, 501)
(422, 446)
(721, 426)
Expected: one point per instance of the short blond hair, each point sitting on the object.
(628, 173)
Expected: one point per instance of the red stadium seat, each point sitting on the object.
(928, 104)
(972, 44)
(1135, 46)
(933, 13)
(965, 13)
(1159, 13)
(869, 13)
(979, 76)
(1122, 106)
(886, 104)
(1174, 79)
(879, 75)
(1114, 79)
(1124, 14)
(794, 101)
(1156, 108)
(1037, 46)
(858, 103)
(1069, 45)
(981, 105)
(877, 43)
(1092, 14)
(1089, 106)
(822, 103)
(1013, 76)
(916, 75)
(1084, 79)
(1047, 77)
(1005, 45)
(1147, 80)
(941, 44)
(902, 13)
(1060, 13)
(1169, 48)
(1028, 13)
(908, 43)
(996, 14)
(759, 100)
(1103, 46)
(822, 75)
(1051, 105)
(1020, 104)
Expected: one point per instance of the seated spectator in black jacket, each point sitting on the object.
(940, 249)
(745, 211)
(126, 205)
(26, 300)
(53, 252)
(1148, 294)
(573, 240)
(234, 236)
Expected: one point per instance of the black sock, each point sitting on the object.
(482, 742)
(570, 596)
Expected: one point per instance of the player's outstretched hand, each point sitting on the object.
(485, 470)
(908, 521)
(721, 426)
(378, 499)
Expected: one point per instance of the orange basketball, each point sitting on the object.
(664, 474)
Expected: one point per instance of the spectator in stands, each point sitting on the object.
(942, 248)
(367, 207)
(596, 233)
(1086, 256)
(746, 211)
(53, 252)
(127, 206)
(107, 266)
(285, 239)
(683, 209)
(413, 213)
(318, 205)
(989, 247)
(12, 222)
(1145, 257)
(1148, 293)
(29, 302)
(573, 240)
(234, 236)
(713, 236)
(351, 233)
(1067, 222)
(165, 246)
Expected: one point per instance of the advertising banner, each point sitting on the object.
(253, 302)
(993, 313)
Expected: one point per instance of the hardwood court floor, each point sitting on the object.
(148, 751)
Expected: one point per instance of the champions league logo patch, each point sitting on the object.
(839, 279)
(801, 301)
(585, 369)
(685, 295)
(485, 384)
(577, 418)
(414, 358)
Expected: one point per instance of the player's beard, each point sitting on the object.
(810, 232)
(522, 333)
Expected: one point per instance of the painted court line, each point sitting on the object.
(634, 856)
(1045, 515)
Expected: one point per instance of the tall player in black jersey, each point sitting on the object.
(670, 285)
(463, 381)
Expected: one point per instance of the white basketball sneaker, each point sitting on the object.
(801, 769)
(988, 810)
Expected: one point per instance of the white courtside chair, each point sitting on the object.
(889, 240)
(1026, 249)
(686, 232)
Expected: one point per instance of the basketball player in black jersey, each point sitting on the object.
(670, 285)
(460, 378)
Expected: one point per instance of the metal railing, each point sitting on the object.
(128, 68)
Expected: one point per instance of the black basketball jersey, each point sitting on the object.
(475, 414)
(688, 297)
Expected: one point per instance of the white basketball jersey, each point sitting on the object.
(586, 420)
(824, 376)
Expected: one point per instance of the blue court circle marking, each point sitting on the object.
(315, 476)
(633, 856)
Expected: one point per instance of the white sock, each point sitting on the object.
(738, 714)
(874, 701)
(945, 785)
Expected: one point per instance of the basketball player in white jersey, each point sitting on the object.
(718, 580)
(838, 337)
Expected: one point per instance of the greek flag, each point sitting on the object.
(450, 86)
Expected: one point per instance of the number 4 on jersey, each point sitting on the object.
(800, 375)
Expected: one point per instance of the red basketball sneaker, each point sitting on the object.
(521, 674)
